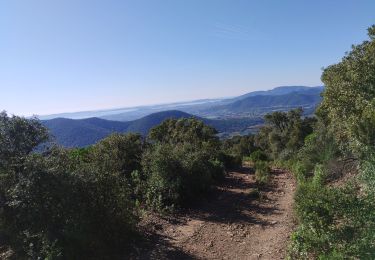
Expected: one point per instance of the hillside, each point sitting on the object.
(230, 117)
(212, 108)
(265, 102)
(294, 99)
(283, 90)
(254, 104)
(78, 133)
(144, 124)
(84, 132)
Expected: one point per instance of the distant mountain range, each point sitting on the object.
(84, 132)
(239, 115)
(282, 91)
(209, 108)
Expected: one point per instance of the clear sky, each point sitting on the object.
(73, 55)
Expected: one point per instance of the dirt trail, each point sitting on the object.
(232, 224)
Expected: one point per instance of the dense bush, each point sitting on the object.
(177, 177)
(284, 134)
(230, 161)
(54, 211)
(332, 158)
(348, 101)
(333, 222)
(182, 164)
(236, 148)
(258, 155)
(18, 137)
(82, 203)
(59, 204)
(119, 154)
(262, 172)
(337, 219)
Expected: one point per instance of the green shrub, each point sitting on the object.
(118, 153)
(18, 138)
(216, 169)
(181, 163)
(299, 170)
(262, 172)
(230, 161)
(333, 222)
(59, 211)
(319, 147)
(258, 155)
(177, 175)
(164, 173)
(239, 146)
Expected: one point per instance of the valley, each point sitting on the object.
(230, 117)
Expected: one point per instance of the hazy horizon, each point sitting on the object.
(71, 56)
(154, 104)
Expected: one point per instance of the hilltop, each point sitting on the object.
(84, 132)
(235, 116)
(214, 108)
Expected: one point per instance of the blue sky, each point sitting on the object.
(72, 55)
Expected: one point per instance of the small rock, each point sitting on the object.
(273, 222)
(257, 255)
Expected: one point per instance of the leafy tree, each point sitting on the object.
(348, 99)
(58, 204)
(240, 145)
(278, 119)
(284, 133)
(184, 130)
(61, 210)
(182, 163)
(235, 149)
(119, 154)
(18, 138)
(337, 219)
(258, 155)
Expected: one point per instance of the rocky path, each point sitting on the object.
(237, 222)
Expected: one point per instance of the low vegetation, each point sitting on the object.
(262, 172)
(331, 156)
(84, 203)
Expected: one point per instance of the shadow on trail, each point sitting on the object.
(233, 203)
(156, 246)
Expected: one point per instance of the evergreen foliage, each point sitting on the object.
(331, 156)
(83, 203)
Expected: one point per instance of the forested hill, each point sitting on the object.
(283, 90)
(262, 102)
(235, 116)
(84, 132)
(293, 99)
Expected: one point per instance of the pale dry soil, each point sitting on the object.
(232, 224)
